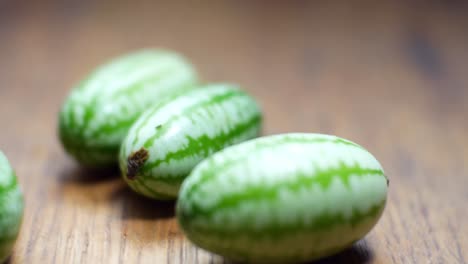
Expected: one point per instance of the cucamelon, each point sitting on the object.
(167, 141)
(283, 198)
(11, 208)
(99, 111)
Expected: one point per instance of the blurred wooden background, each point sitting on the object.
(392, 76)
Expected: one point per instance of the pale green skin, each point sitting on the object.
(182, 131)
(284, 198)
(98, 113)
(11, 208)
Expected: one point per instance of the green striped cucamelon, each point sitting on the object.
(100, 110)
(283, 198)
(167, 141)
(11, 208)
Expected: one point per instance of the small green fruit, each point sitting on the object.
(283, 198)
(168, 141)
(98, 113)
(11, 208)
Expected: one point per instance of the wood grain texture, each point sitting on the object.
(391, 76)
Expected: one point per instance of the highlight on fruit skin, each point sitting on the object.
(169, 140)
(99, 111)
(11, 208)
(283, 198)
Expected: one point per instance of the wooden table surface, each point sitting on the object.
(391, 76)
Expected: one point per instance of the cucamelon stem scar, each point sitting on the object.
(135, 161)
